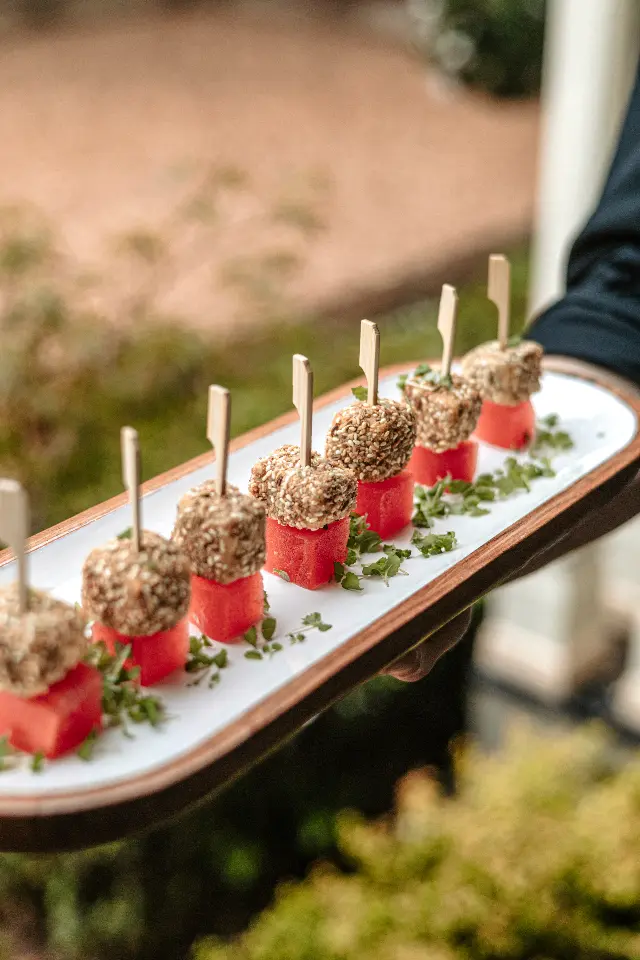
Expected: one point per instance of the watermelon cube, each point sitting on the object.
(306, 557)
(58, 721)
(157, 655)
(512, 428)
(225, 611)
(459, 463)
(387, 504)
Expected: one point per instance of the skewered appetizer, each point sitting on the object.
(374, 439)
(506, 377)
(138, 596)
(308, 501)
(50, 701)
(222, 532)
(446, 407)
(447, 411)
(505, 373)
(137, 589)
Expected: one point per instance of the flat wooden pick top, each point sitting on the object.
(499, 291)
(303, 402)
(14, 530)
(370, 357)
(218, 432)
(131, 478)
(447, 320)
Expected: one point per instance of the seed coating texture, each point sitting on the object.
(375, 441)
(137, 594)
(223, 537)
(445, 415)
(304, 497)
(38, 648)
(507, 377)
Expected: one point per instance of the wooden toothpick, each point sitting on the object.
(218, 430)
(447, 318)
(499, 290)
(131, 478)
(14, 530)
(303, 402)
(370, 357)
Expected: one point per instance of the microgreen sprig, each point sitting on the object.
(8, 755)
(122, 698)
(312, 621)
(269, 646)
(268, 628)
(548, 438)
(205, 661)
(457, 497)
(426, 374)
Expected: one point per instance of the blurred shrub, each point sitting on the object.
(538, 857)
(492, 44)
(210, 871)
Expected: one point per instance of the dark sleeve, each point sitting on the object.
(598, 320)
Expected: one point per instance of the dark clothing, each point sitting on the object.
(599, 318)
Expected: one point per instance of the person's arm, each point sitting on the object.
(598, 322)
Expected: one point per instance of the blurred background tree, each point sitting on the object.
(495, 45)
(528, 861)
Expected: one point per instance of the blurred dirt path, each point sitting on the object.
(360, 171)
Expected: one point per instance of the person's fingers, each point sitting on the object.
(420, 661)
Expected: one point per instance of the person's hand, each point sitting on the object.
(420, 661)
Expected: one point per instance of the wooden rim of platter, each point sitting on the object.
(69, 819)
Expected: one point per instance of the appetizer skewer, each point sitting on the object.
(222, 532)
(506, 375)
(307, 498)
(447, 407)
(137, 588)
(50, 701)
(374, 439)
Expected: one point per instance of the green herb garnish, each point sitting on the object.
(457, 497)
(37, 762)
(126, 534)
(251, 637)
(426, 374)
(548, 438)
(203, 659)
(253, 655)
(122, 698)
(312, 621)
(86, 748)
(268, 628)
(360, 393)
(433, 544)
(363, 541)
(283, 575)
(7, 755)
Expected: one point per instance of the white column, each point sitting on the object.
(591, 53)
(550, 632)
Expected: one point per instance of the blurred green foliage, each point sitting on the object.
(495, 45)
(538, 857)
(213, 869)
